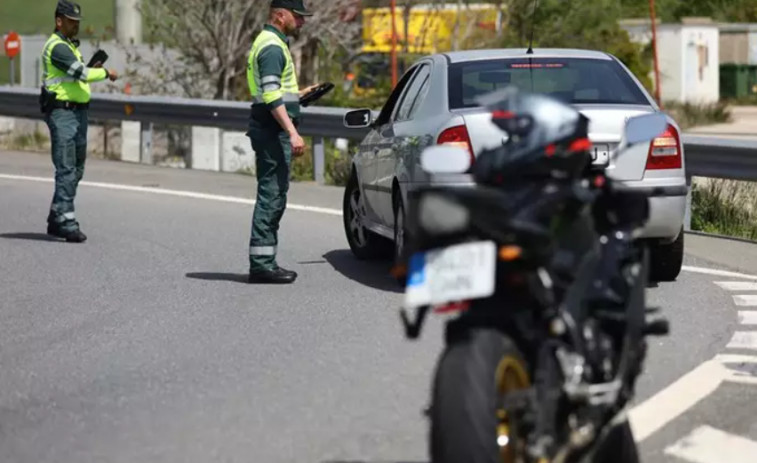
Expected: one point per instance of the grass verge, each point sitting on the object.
(692, 114)
(724, 207)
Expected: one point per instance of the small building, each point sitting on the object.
(738, 43)
(688, 55)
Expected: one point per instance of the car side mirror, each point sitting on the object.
(358, 118)
(643, 128)
(443, 159)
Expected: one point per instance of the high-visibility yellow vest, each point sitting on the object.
(65, 86)
(266, 89)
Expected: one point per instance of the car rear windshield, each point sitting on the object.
(573, 80)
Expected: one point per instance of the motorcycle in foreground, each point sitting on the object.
(538, 264)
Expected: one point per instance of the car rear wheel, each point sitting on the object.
(364, 244)
(666, 259)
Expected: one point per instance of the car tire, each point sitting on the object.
(364, 244)
(666, 259)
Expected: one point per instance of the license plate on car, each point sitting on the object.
(460, 272)
(600, 154)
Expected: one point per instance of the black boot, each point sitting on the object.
(288, 272)
(275, 276)
(72, 236)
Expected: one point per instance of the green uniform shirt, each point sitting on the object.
(271, 61)
(71, 78)
(63, 58)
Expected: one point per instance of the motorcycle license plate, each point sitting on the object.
(455, 273)
(600, 155)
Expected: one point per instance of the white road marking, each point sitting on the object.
(748, 317)
(709, 445)
(743, 340)
(745, 300)
(651, 415)
(185, 194)
(737, 285)
(724, 273)
(739, 368)
(655, 412)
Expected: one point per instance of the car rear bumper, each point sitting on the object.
(667, 207)
(667, 202)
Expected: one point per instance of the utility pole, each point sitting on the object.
(654, 52)
(128, 21)
(393, 9)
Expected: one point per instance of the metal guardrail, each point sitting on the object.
(230, 115)
(706, 156)
(717, 157)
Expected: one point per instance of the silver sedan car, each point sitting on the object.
(434, 102)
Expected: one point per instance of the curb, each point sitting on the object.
(722, 237)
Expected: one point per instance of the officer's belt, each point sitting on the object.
(260, 111)
(58, 104)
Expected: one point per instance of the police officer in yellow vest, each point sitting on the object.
(65, 99)
(273, 133)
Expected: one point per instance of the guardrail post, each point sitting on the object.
(131, 141)
(319, 159)
(687, 216)
(206, 148)
(145, 152)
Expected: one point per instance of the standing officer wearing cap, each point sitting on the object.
(64, 100)
(273, 133)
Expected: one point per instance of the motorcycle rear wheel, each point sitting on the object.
(471, 376)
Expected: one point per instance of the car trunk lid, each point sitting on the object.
(606, 125)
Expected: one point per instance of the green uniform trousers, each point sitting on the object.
(68, 138)
(273, 157)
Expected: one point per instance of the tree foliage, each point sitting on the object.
(573, 24)
(200, 47)
(674, 10)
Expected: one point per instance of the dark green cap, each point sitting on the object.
(294, 5)
(68, 9)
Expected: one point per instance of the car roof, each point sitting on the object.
(500, 53)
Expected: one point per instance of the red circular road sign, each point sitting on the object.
(12, 45)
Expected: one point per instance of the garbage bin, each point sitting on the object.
(735, 81)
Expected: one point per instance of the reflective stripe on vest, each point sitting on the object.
(259, 85)
(65, 87)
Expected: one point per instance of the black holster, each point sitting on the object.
(46, 100)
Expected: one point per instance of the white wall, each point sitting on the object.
(701, 65)
(31, 62)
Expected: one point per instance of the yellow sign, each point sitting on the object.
(430, 28)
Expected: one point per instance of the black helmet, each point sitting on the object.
(545, 137)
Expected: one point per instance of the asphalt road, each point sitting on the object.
(146, 344)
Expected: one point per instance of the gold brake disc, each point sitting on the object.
(511, 375)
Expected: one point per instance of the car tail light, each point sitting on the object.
(665, 151)
(457, 136)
